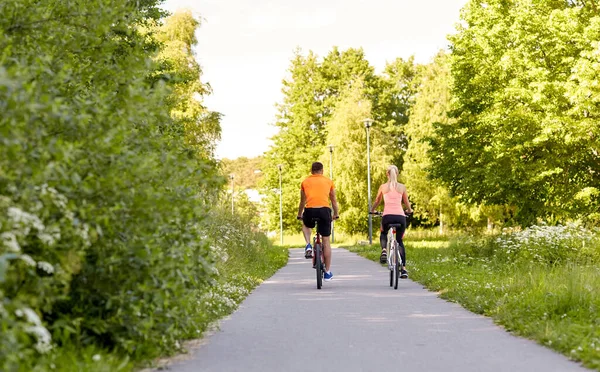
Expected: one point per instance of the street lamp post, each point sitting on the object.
(231, 177)
(368, 123)
(279, 166)
(331, 176)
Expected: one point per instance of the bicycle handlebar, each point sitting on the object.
(380, 214)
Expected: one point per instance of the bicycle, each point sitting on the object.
(394, 260)
(317, 256)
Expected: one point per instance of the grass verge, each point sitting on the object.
(556, 305)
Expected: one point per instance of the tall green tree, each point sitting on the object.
(180, 69)
(311, 93)
(348, 134)
(521, 134)
(432, 105)
(392, 104)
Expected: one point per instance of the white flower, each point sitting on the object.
(25, 220)
(19, 313)
(27, 259)
(9, 240)
(47, 239)
(44, 339)
(45, 266)
(32, 317)
(96, 358)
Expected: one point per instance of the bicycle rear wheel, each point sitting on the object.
(318, 266)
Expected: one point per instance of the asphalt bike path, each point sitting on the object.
(357, 322)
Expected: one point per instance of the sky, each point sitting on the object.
(245, 48)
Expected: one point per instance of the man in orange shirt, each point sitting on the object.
(315, 193)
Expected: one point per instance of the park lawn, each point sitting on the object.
(557, 306)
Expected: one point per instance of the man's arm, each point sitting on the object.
(302, 203)
(334, 204)
(377, 200)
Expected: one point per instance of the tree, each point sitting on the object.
(520, 136)
(433, 103)
(179, 68)
(101, 205)
(347, 133)
(247, 171)
(311, 93)
(393, 102)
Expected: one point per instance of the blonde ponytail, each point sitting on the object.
(393, 172)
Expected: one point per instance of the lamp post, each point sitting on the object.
(279, 166)
(231, 177)
(368, 123)
(331, 176)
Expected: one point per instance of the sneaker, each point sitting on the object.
(383, 257)
(328, 276)
(308, 251)
(403, 274)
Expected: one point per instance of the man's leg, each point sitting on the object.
(306, 231)
(327, 252)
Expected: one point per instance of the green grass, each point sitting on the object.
(557, 306)
(89, 359)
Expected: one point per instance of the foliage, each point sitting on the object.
(312, 93)
(347, 132)
(179, 68)
(102, 192)
(247, 171)
(431, 106)
(246, 257)
(542, 245)
(524, 131)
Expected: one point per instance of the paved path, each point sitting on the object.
(358, 323)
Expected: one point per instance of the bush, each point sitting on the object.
(102, 201)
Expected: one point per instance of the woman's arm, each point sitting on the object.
(377, 200)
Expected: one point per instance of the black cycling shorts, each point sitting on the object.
(323, 215)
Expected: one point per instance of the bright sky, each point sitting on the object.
(245, 46)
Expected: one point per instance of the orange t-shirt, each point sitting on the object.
(317, 188)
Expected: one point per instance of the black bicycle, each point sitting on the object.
(317, 257)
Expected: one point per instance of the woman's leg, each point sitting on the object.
(383, 238)
(399, 235)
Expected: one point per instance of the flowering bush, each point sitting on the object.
(102, 196)
(549, 245)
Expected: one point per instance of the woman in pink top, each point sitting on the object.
(393, 195)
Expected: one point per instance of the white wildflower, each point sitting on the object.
(19, 313)
(84, 234)
(45, 266)
(47, 239)
(96, 358)
(27, 259)
(9, 240)
(43, 337)
(25, 220)
(32, 317)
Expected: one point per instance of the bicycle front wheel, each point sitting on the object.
(397, 266)
(391, 266)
